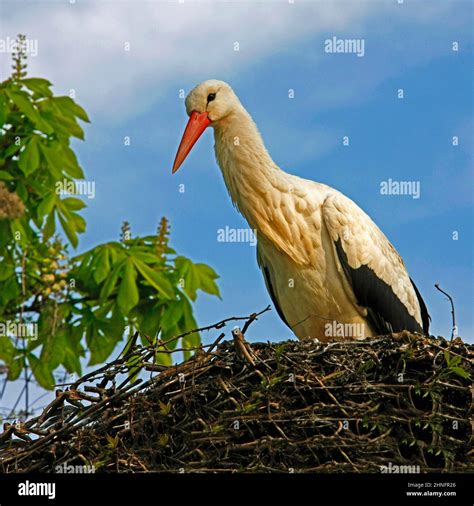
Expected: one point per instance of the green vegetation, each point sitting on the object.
(55, 308)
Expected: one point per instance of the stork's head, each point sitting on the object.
(207, 104)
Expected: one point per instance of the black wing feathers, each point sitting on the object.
(425, 317)
(386, 313)
(266, 275)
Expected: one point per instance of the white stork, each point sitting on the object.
(324, 260)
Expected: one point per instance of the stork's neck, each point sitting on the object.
(249, 171)
(262, 192)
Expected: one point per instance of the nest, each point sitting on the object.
(359, 406)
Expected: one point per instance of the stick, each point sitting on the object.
(454, 329)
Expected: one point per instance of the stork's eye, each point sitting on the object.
(211, 97)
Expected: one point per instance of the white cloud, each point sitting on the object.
(81, 45)
(174, 45)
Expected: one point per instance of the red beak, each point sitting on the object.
(198, 122)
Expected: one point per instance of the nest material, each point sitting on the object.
(282, 407)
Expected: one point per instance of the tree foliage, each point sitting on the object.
(53, 307)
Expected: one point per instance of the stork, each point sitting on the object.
(330, 271)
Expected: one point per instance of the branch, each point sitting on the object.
(454, 329)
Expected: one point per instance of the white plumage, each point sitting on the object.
(327, 266)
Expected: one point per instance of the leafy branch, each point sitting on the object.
(54, 307)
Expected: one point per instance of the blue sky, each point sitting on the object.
(174, 46)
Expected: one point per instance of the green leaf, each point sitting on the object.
(41, 372)
(172, 313)
(128, 291)
(447, 357)
(52, 353)
(115, 325)
(163, 358)
(196, 276)
(22, 101)
(10, 290)
(102, 265)
(69, 107)
(50, 226)
(189, 277)
(109, 285)
(21, 191)
(3, 109)
(79, 223)
(100, 344)
(69, 229)
(455, 361)
(72, 361)
(104, 309)
(39, 86)
(74, 204)
(134, 368)
(148, 258)
(7, 350)
(148, 319)
(6, 270)
(71, 126)
(29, 157)
(165, 409)
(11, 150)
(6, 176)
(116, 252)
(191, 340)
(460, 372)
(73, 349)
(72, 166)
(155, 278)
(54, 160)
(39, 187)
(207, 275)
(46, 206)
(19, 232)
(14, 369)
